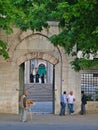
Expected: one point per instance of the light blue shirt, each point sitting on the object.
(64, 98)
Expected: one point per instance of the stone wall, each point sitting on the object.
(23, 46)
(92, 107)
(9, 80)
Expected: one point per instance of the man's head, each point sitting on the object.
(64, 92)
(26, 93)
(71, 92)
(82, 92)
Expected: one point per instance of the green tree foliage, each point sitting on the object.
(76, 18)
(7, 18)
(3, 48)
(79, 25)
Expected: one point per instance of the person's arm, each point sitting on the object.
(67, 96)
(74, 99)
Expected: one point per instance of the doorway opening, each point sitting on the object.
(39, 82)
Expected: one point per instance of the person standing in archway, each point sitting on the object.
(42, 78)
(63, 103)
(31, 78)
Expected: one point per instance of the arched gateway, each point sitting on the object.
(43, 50)
(25, 46)
(41, 92)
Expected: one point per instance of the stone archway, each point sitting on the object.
(23, 47)
(40, 55)
(29, 46)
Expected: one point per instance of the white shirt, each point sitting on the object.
(71, 99)
(34, 72)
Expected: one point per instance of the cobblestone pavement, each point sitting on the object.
(50, 121)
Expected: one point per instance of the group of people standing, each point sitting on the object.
(38, 74)
(65, 99)
(70, 99)
(35, 78)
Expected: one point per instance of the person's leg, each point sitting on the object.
(84, 110)
(69, 106)
(63, 105)
(24, 115)
(61, 111)
(81, 109)
(72, 108)
(21, 113)
(64, 109)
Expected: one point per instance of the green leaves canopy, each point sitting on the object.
(76, 18)
(7, 17)
(79, 25)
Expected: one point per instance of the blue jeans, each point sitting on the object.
(71, 106)
(23, 117)
(63, 106)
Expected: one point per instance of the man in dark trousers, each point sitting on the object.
(31, 78)
(83, 103)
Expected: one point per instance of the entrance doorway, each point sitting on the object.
(41, 90)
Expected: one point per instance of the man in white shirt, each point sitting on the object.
(71, 100)
(63, 103)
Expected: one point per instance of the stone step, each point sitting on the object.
(40, 92)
